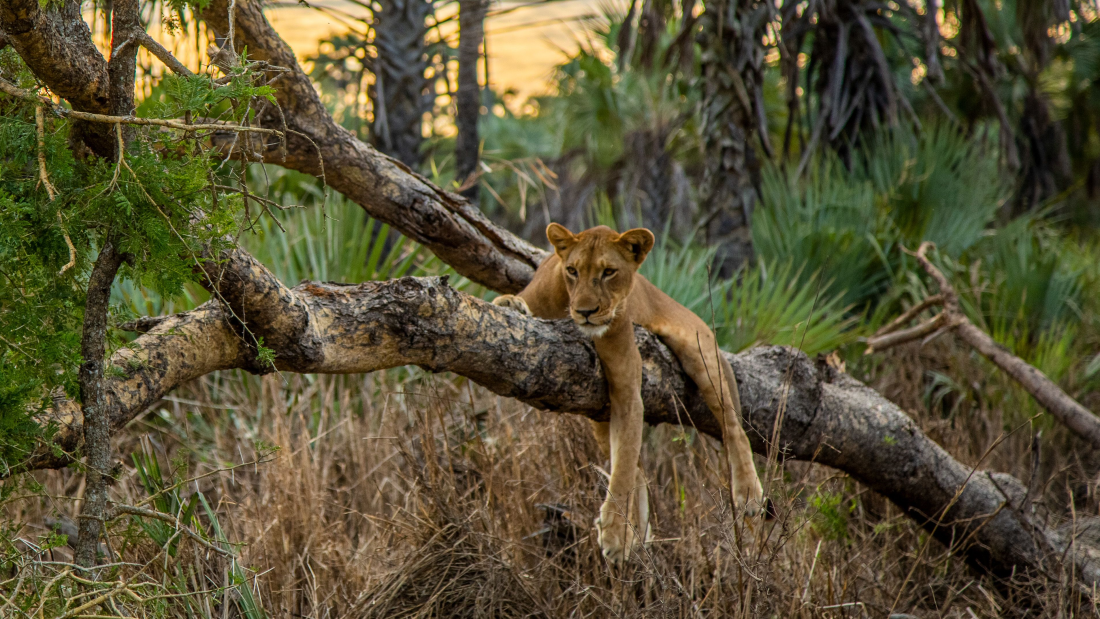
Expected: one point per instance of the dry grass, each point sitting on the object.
(402, 494)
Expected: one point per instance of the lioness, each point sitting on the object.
(592, 278)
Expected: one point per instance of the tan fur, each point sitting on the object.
(592, 278)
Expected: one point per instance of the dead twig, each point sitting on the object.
(119, 510)
(72, 250)
(162, 54)
(13, 90)
(43, 174)
(1049, 395)
(910, 314)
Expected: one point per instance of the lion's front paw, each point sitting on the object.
(614, 534)
(511, 301)
(748, 495)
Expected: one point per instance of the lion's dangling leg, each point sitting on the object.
(639, 520)
(624, 377)
(695, 347)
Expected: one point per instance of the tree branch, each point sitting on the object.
(389, 191)
(57, 46)
(827, 417)
(107, 120)
(163, 54)
(122, 67)
(97, 437)
(1050, 396)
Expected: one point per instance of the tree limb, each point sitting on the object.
(163, 54)
(56, 44)
(107, 120)
(1050, 396)
(93, 387)
(447, 224)
(828, 417)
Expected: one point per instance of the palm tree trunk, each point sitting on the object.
(471, 31)
(402, 94)
(733, 57)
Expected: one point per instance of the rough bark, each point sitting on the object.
(471, 30)
(93, 390)
(121, 70)
(388, 190)
(122, 67)
(823, 415)
(57, 46)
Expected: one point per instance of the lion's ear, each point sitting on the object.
(638, 242)
(561, 239)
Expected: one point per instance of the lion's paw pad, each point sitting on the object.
(513, 302)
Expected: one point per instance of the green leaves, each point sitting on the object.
(201, 96)
(164, 204)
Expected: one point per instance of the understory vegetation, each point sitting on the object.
(409, 494)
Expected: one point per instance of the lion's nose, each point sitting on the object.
(587, 313)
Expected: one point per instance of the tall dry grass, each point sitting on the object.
(403, 494)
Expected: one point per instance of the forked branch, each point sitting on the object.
(1049, 395)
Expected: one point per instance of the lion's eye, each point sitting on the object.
(571, 271)
(608, 272)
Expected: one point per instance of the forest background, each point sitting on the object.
(789, 153)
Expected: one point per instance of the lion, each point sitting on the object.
(592, 278)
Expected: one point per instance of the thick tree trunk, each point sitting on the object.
(471, 32)
(811, 411)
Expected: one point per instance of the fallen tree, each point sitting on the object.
(800, 408)
(805, 409)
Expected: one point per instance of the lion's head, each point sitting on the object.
(599, 266)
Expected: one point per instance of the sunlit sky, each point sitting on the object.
(526, 38)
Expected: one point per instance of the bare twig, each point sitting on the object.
(910, 314)
(43, 174)
(163, 54)
(170, 519)
(72, 250)
(13, 90)
(879, 343)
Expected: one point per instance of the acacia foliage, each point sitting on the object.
(164, 203)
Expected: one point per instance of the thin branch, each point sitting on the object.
(163, 54)
(120, 509)
(13, 90)
(72, 250)
(1046, 392)
(43, 174)
(880, 343)
(910, 314)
